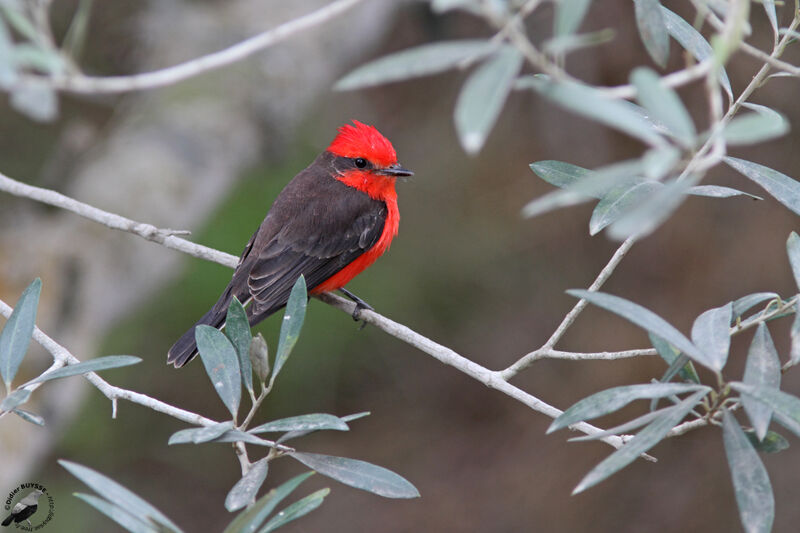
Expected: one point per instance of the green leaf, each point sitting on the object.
(441, 6)
(222, 365)
(745, 303)
(13, 12)
(594, 105)
(569, 15)
(782, 187)
(292, 323)
(117, 494)
(782, 403)
(793, 251)
(415, 62)
(663, 103)
(772, 443)
(642, 442)
(610, 400)
(95, 365)
(644, 318)
(750, 480)
(560, 174)
(769, 7)
(624, 428)
(201, 434)
(359, 474)
(301, 433)
(251, 519)
(18, 397)
(694, 43)
(36, 100)
(794, 356)
(245, 490)
(565, 44)
(595, 185)
(653, 211)
(718, 191)
(197, 435)
(482, 97)
(618, 202)
(38, 58)
(75, 38)
(711, 334)
(312, 422)
(670, 355)
(27, 416)
(296, 510)
(119, 515)
(237, 329)
(763, 368)
(751, 128)
(17, 333)
(652, 30)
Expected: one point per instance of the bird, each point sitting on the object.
(24, 508)
(328, 224)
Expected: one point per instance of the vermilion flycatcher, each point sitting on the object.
(333, 220)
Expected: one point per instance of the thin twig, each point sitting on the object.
(172, 75)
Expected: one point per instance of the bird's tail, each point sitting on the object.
(8, 520)
(186, 347)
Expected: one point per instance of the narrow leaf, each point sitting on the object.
(763, 368)
(209, 433)
(17, 333)
(671, 355)
(627, 426)
(786, 405)
(8, 68)
(296, 510)
(745, 303)
(359, 474)
(769, 8)
(569, 15)
(119, 515)
(222, 365)
(27, 416)
(36, 100)
(794, 356)
(117, 494)
(415, 62)
(301, 433)
(594, 105)
(718, 191)
(751, 128)
(772, 443)
(663, 103)
(292, 323)
(653, 211)
(198, 435)
(652, 30)
(245, 490)
(711, 334)
(482, 97)
(312, 422)
(750, 480)
(618, 202)
(610, 400)
(642, 442)
(250, 520)
(782, 187)
(694, 43)
(596, 184)
(793, 251)
(644, 318)
(95, 365)
(237, 329)
(18, 397)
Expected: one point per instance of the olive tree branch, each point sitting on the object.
(79, 83)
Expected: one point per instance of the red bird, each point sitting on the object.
(333, 220)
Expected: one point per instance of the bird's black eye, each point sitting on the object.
(360, 162)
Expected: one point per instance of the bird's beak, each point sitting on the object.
(395, 171)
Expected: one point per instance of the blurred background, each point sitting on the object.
(211, 153)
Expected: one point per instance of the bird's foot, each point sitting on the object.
(360, 306)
